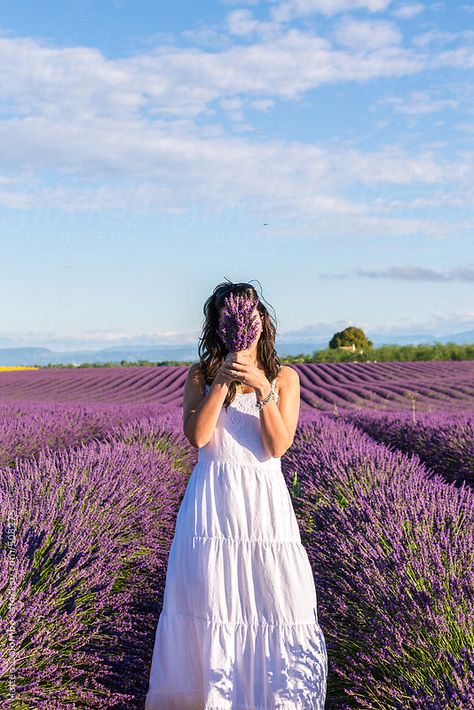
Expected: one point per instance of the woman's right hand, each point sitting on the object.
(223, 377)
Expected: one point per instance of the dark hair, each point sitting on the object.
(212, 351)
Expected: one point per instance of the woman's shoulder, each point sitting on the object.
(195, 374)
(286, 376)
(194, 370)
(288, 372)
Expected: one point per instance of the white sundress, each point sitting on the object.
(239, 626)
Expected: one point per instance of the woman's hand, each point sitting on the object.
(238, 366)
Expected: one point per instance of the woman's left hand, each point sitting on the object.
(239, 367)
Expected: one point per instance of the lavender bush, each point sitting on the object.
(444, 442)
(392, 551)
(27, 427)
(83, 579)
(160, 433)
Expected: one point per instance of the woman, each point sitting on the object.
(239, 627)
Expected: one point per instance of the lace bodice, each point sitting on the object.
(237, 435)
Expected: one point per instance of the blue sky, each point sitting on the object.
(149, 150)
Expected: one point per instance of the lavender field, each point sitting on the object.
(94, 465)
(427, 386)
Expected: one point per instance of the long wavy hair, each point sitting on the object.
(212, 351)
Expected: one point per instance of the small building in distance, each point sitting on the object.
(347, 347)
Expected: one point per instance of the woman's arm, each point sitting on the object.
(278, 421)
(200, 413)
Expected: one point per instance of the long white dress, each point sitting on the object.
(239, 626)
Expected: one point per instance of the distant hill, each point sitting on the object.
(188, 352)
(131, 353)
(465, 338)
(24, 356)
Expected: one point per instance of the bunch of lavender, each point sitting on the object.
(239, 325)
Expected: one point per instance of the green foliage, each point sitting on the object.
(350, 336)
(388, 353)
(122, 363)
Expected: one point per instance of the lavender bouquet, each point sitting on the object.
(239, 325)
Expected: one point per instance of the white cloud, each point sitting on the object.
(289, 9)
(435, 199)
(181, 82)
(397, 166)
(432, 37)
(419, 273)
(419, 102)
(427, 320)
(363, 35)
(295, 186)
(15, 199)
(467, 127)
(460, 58)
(126, 126)
(206, 37)
(406, 12)
(262, 104)
(242, 23)
(441, 37)
(231, 104)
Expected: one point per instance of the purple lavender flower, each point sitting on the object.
(239, 326)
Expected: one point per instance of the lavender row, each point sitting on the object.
(156, 384)
(444, 442)
(85, 542)
(26, 427)
(392, 552)
(430, 386)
